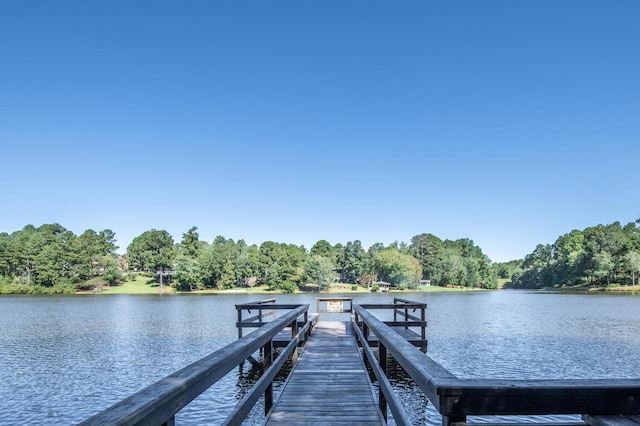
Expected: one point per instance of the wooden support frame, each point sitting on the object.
(456, 398)
(386, 396)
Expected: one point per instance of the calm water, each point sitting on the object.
(63, 359)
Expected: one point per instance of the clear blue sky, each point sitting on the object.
(507, 122)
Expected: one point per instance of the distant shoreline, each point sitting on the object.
(263, 291)
(598, 289)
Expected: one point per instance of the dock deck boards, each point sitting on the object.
(329, 385)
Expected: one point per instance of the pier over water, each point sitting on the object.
(329, 383)
(329, 380)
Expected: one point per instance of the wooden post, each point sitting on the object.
(260, 321)
(268, 359)
(365, 333)
(423, 334)
(241, 366)
(453, 420)
(406, 318)
(382, 402)
(294, 333)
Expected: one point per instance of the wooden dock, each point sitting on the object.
(329, 384)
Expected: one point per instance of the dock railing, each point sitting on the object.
(334, 305)
(456, 398)
(158, 403)
(256, 320)
(409, 320)
(265, 311)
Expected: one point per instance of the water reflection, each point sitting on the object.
(66, 358)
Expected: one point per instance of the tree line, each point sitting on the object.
(601, 255)
(51, 258)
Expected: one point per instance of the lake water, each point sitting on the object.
(63, 359)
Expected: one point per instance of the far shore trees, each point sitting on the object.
(52, 259)
(599, 255)
(152, 251)
(319, 270)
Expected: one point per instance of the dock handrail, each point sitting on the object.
(258, 320)
(158, 403)
(455, 398)
(401, 307)
(386, 395)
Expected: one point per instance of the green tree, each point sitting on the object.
(92, 252)
(216, 263)
(54, 258)
(351, 261)
(319, 270)
(187, 273)
(190, 245)
(397, 268)
(570, 255)
(602, 265)
(325, 249)
(429, 251)
(537, 268)
(112, 272)
(7, 257)
(289, 257)
(632, 264)
(152, 250)
(273, 276)
(453, 270)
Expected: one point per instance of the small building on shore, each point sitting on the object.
(383, 286)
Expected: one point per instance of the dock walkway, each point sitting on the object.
(329, 384)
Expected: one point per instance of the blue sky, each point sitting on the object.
(507, 122)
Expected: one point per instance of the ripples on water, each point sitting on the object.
(64, 359)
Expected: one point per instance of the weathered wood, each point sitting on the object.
(399, 414)
(370, 306)
(400, 307)
(406, 315)
(256, 317)
(611, 420)
(407, 334)
(258, 302)
(329, 384)
(243, 408)
(456, 398)
(505, 397)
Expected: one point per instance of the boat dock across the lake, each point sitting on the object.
(332, 363)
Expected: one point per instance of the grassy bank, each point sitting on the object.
(140, 285)
(611, 288)
(145, 285)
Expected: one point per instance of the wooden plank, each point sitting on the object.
(457, 398)
(611, 420)
(329, 385)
